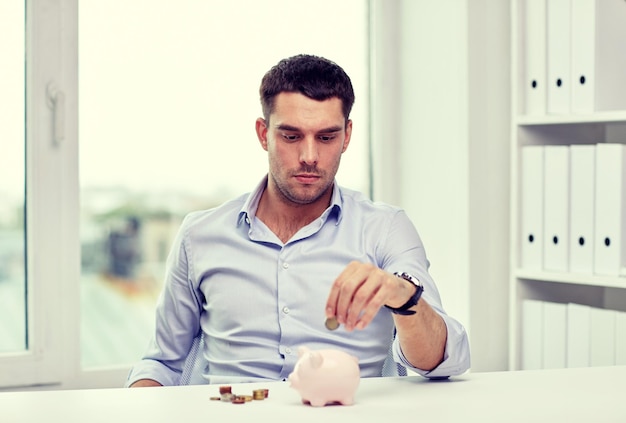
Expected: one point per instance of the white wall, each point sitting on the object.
(440, 106)
(489, 133)
(435, 140)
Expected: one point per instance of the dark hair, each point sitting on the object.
(315, 77)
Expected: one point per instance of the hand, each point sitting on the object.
(361, 290)
(143, 383)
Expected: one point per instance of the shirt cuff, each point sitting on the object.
(456, 356)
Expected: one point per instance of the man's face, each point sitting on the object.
(304, 140)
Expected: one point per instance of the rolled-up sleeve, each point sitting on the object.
(177, 319)
(405, 252)
(456, 357)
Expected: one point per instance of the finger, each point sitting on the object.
(333, 295)
(338, 288)
(361, 300)
(357, 292)
(368, 298)
(370, 311)
(380, 286)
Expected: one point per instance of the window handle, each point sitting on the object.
(56, 101)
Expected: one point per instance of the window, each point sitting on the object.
(118, 118)
(168, 102)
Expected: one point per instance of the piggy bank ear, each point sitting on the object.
(316, 359)
(302, 351)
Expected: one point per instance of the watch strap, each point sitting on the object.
(419, 288)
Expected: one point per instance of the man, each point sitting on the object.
(258, 276)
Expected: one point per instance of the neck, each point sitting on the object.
(285, 218)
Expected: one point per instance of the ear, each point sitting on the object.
(346, 140)
(261, 132)
(316, 359)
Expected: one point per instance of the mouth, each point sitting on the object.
(307, 178)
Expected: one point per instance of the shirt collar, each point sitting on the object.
(252, 203)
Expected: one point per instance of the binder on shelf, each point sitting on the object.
(531, 237)
(609, 89)
(578, 335)
(558, 56)
(620, 338)
(554, 335)
(583, 55)
(602, 339)
(556, 208)
(532, 334)
(582, 198)
(610, 224)
(535, 77)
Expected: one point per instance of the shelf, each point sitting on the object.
(571, 278)
(551, 41)
(599, 117)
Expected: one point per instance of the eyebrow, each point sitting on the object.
(284, 127)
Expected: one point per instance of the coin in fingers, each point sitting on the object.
(331, 323)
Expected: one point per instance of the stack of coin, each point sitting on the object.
(226, 395)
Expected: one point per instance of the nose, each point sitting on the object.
(309, 153)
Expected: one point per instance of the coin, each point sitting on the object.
(331, 323)
(228, 397)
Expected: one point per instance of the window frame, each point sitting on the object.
(52, 357)
(49, 58)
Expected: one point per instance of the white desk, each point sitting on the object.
(570, 395)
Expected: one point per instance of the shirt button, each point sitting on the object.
(285, 265)
(287, 350)
(286, 310)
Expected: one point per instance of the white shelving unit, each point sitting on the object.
(605, 123)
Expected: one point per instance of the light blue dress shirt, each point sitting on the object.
(257, 299)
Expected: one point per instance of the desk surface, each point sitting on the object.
(568, 395)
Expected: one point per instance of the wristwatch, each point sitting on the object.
(404, 309)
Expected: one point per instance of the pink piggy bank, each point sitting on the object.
(325, 376)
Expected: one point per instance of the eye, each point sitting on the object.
(290, 137)
(327, 138)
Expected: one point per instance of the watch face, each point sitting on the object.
(409, 278)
